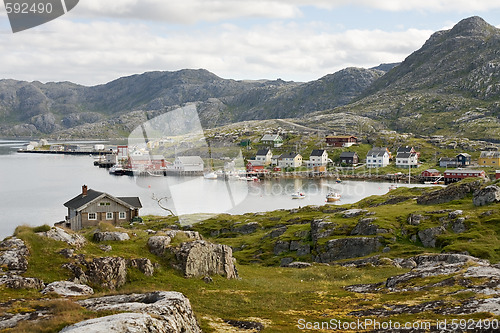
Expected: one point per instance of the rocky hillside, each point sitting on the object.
(450, 85)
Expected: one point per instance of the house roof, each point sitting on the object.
(348, 154)
(375, 151)
(264, 151)
(340, 136)
(447, 159)
(190, 160)
(256, 163)
(405, 155)
(92, 195)
(289, 155)
(147, 158)
(432, 171)
(490, 154)
(317, 152)
(405, 149)
(464, 171)
(271, 137)
(464, 154)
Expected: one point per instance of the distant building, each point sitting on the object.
(406, 160)
(448, 162)
(275, 159)
(455, 175)
(245, 143)
(489, 158)
(293, 160)
(349, 158)
(497, 174)
(318, 157)
(463, 159)
(188, 164)
(341, 140)
(146, 162)
(264, 155)
(92, 207)
(378, 157)
(430, 173)
(273, 140)
(255, 166)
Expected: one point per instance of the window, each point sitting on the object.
(104, 204)
(109, 216)
(122, 215)
(92, 216)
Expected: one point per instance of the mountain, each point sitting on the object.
(450, 85)
(113, 109)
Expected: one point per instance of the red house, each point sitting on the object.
(455, 175)
(497, 174)
(147, 162)
(255, 166)
(430, 173)
(341, 140)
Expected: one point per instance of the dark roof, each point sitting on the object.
(81, 200)
(288, 155)
(464, 155)
(348, 154)
(375, 151)
(263, 151)
(447, 159)
(405, 149)
(317, 152)
(404, 154)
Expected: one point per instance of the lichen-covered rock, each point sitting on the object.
(20, 282)
(415, 219)
(353, 213)
(13, 255)
(346, 248)
(158, 244)
(320, 229)
(68, 288)
(299, 264)
(103, 236)
(281, 247)
(248, 228)
(428, 236)
(200, 258)
(62, 235)
(106, 272)
(171, 310)
(365, 227)
(192, 235)
(144, 265)
(452, 192)
(487, 195)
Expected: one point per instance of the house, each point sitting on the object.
(463, 160)
(318, 157)
(430, 173)
(264, 155)
(255, 166)
(448, 162)
(147, 162)
(406, 149)
(497, 174)
(378, 157)
(455, 175)
(406, 160)
(349, 158)
(341, 140)
(245, 143)
(273, 140)
(188, 164)
(292, 160)
(92, 207)
(275, 159)
(489, 158)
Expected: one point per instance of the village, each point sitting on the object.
(274, 155)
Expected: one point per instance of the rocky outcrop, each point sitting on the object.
(200, 258)
(192, 235)
(246, 229)
(59, 234)
(452, 192)
(152, 312)
(487, 195)
(68, 288)
(103, 236)
(429, 236)
(13, 255)
(346, 248)
(158, 244)
(353, 213)
(19, 282)
(366, 227)
(320, 229)
(144, 265)
(106, 272)
(299, 264)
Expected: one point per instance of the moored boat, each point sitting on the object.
(210, 175)
(332, 197)
(298, 195)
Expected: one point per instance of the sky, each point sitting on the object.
(294, 40)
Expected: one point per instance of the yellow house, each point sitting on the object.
(489, 158)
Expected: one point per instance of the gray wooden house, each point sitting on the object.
(91, 207)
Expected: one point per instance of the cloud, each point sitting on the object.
(97, 52)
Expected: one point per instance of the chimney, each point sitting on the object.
(84, 190)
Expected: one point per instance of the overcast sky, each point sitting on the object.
(299, 40)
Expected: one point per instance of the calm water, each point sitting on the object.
(34, 187)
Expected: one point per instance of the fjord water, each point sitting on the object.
(34, 187)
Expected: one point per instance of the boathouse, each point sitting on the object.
(455, 175)
(91, 207)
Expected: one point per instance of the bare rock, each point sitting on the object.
(192, 235)
(353, 213)
(59, 234)
(452, 192)
(67, 253)
(275, 233)
(103, 236)
(13, 255)
(20, 282)
(158, 244)
(201, 258)
(459, 226)
(106, 272)
(365, 227)
(248, 228)
(415, 219)
(428, 236)
(144, 265)
(487, 195)
(68, 288)
(171, 310)
(281, 247)
(106, 248)
(320, 229)
(346, 248)
(246, 325)
(299, 264)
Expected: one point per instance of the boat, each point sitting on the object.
(298, 195)
(210, 175)
(393, 187)
(338, 181)
(332, 197)
(116, 170)
(252, 179)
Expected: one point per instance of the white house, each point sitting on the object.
(318, 157)
(275, 159)
(188, 164)
(407, 160)
(264, 155)
(378, 157)
(293, 160)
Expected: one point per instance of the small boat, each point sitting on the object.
(332, 197)
(210, 175)
(298, 195)
(116, 170)
(252, 179)
(338, 181)
(393, 187)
